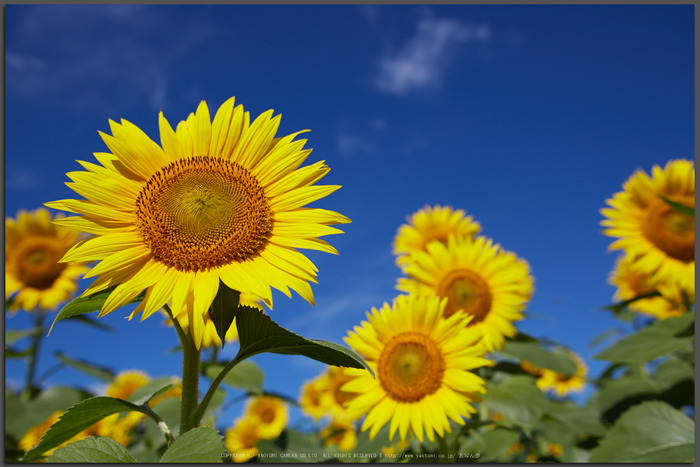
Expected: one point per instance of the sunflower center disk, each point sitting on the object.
(411, 367)
(201, 212)
(468, 291)
(671, 231)
(37, 262)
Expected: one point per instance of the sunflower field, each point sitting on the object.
(199, 228)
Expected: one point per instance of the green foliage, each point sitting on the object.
(88, 304)
(95, 449)
(79, 417)
(656, 340)
(649, 432)
(92, 369)
(518, 400)
(258, 334)
(540, 357)
(245, 375)
(199, 445)
(682, 208)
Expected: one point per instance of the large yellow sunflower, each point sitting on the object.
(475, 276)
(218, 201)
(631, 283)
(661, 238)
(421, 362)
(432, 223)
(33, 273)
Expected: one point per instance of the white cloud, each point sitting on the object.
(421, 63)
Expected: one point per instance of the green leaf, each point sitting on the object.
(534, 353)
(95, 449)
(88, 304)
(498, 442)
(13, 335)
(649, 432)
(258, 334)
(199, 445)
(245, 375)
(580, 420)
(223, 309)
(518, 399)
(656, 340)
(92, 369)
(92, 322)
(682, 208)
(620, 306)
(79, 417)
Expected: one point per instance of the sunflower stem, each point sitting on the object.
(29, 390)
(444, 450)
(190, 384)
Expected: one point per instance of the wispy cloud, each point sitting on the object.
(422, 62)
(349, 145)
(21, 179)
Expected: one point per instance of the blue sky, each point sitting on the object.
(527, 117)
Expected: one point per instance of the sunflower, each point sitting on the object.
(35, 433)
(218, 201)
(126, 383)
(336, 397)
(432, 223)
(340, 433)
(269, 413)
(33, 273)
(311, 398)
(475, 276)
(241, 441)
(631, 283)
(421, 362)
(649, 229)
(560, 384)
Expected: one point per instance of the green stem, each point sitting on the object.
(199, 413)
(33, 354)
(190, 385)
(446, 455)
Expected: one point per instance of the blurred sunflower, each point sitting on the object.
(340, 433)
(34, 277)
(33, 435)
(476, 276)
(311, 398)
(220, 201)
(241, 441)
(270, 415)
(660, 238)
(432, 223)
(421, 361)
(126, 383)
(560, 384)
(337, 398)
(631, 283)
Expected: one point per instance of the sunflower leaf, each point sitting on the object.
(199, 445)
(95, 449)
(656, 340)
(245, 375)
(99, 372)
(682, 208)
(652, 431)
(540, 357)
(258, 334)
(79, 417)
(223, 309)
(88, 304)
